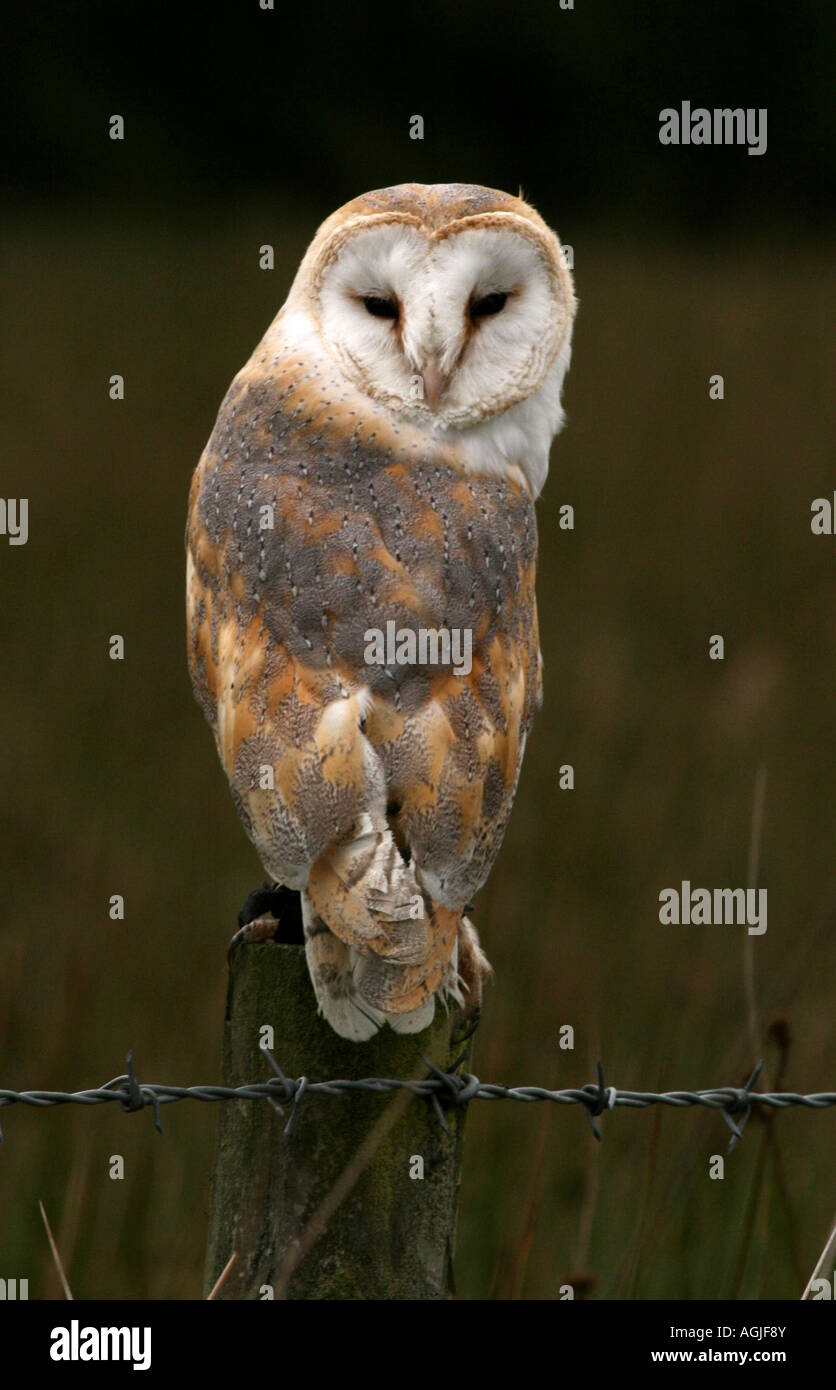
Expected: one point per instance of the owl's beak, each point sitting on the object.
(434, 382)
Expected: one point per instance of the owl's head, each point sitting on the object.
(450, 305)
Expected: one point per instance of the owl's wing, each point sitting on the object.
(379, 788)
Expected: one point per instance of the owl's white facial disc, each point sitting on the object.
(448, 330)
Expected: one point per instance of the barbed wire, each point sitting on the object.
(441, 1088)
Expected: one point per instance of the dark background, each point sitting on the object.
(314, 100)
(692, 518)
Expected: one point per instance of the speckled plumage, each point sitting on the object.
(315, 515)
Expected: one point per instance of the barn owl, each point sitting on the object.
(373, 470)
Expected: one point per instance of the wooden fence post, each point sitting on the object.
(388, 1233)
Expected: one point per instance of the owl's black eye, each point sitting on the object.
(487, 305)
(379, 307)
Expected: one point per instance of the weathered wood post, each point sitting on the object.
(335, 1210)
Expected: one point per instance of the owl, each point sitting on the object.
(361, 547)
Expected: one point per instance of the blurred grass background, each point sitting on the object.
(692, 518)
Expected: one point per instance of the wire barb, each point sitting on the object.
(301, 1087)
(281, 1076)
(602, 1101)
(131, 1095)
(742, 1103)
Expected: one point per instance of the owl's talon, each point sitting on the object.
(259, 929)
(270, 913)
(269, 898)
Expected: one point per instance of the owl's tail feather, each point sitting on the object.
(367, 894)
(394, 947)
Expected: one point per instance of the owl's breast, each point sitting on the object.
(330, 539)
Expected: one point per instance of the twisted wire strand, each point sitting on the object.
(450, 1088)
